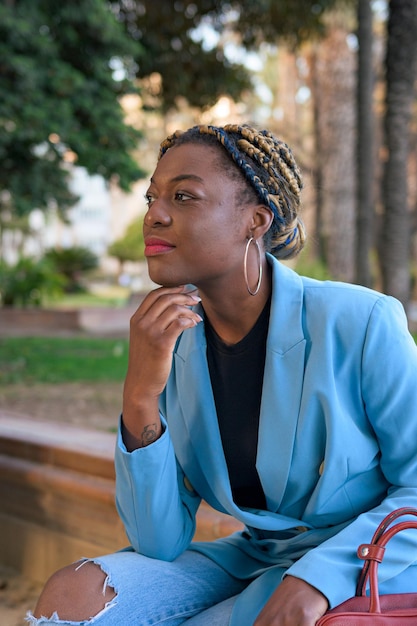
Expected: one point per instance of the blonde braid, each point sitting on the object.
(268, 165)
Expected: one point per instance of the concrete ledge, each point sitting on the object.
(57, 494)
(100, 321)
(21, 321)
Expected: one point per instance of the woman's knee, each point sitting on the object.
(76, 592)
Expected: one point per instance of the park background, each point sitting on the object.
(89, 89)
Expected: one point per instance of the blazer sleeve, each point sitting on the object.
(389, 391)
(156, 506)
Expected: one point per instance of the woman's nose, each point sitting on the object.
(157, 214)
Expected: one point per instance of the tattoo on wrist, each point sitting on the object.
(150, 434)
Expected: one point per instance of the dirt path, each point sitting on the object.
(95, 405)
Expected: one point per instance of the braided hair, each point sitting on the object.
(270, 171)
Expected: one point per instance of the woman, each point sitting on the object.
(288, 403)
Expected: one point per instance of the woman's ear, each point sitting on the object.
(262, 219)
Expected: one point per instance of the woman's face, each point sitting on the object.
(194, 230)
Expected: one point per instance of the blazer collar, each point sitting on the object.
(285, 328)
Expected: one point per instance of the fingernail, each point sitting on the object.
(189, 287)
(196, 298)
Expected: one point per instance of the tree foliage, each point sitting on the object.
(28, 282)
(59, 100)
(130, 247)
(72, 263)
(172, 43)
(266, 20)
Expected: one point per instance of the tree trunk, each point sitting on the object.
(401, 60)
(336, 85)
(318, 241)
(365, 174)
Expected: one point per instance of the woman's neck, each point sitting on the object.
(232, 316)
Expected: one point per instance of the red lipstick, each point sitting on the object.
(154, 246)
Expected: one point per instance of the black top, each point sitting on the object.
(236, 373)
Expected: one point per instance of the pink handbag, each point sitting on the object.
(398, 609)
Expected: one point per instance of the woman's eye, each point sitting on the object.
(181, 196)
(149, 199)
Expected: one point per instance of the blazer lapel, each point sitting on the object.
(283, 383)
(281, 397)
(199, 416)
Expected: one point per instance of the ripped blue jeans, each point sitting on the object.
(151, 592)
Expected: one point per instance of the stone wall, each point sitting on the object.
(57, 492)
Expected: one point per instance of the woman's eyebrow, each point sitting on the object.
(182, 177)
(186, 177)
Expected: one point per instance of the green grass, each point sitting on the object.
(32, 360)
(57, 360)
(106, 297)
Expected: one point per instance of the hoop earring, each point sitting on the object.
(245, 267)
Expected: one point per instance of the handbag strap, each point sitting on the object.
(373, 553)
(391, 517)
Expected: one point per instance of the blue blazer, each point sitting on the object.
(337, 447)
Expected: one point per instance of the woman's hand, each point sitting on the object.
(293, 603)
(154, 329)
